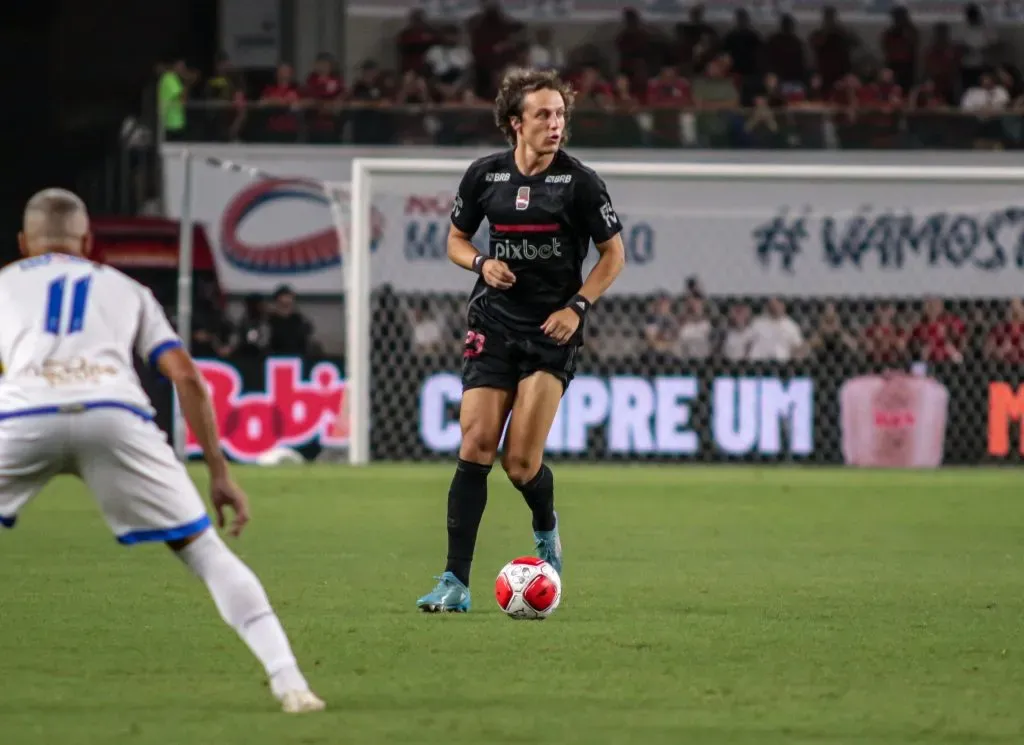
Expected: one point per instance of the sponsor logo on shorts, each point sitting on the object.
(523, 250)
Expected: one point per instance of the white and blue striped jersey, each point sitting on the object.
(68, 330)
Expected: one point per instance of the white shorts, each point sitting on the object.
(142, 489)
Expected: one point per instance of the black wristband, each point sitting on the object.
(478, 262)
(579, 305)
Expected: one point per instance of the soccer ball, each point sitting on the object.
(528, 588)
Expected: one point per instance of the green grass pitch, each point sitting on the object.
(743, 605)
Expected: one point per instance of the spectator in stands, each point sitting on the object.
(669, 90)
(884, 341)
(226, 85)
(226, 89)
(833, 45)
(625, 100)
(413, 90)
(743, 45)
(739, 337)
(706, 50)
(290, 331)
(494, 40)
(367, 88)
(830, 341)
(414, 41)
(810, 97)
(211, 330)
(979, 47)
(784, 52)
(926, 97)
(284, 91)
(696, 30)
(662, 330)
(447, 63)
(591, 90)
(762, 126)
(370, 126)
(987, 101)
(634, 43)
(252, 334)
(900, 45)
(779, 97)
(882, 100)
(939, 336)
(172, 94)
(925, 122)
(324, 84)
(1005, 342)
(283, 98)
(428, 337)
(694, 330)
(775, 336)
(942, 62)
(714, 91)
(544, 53)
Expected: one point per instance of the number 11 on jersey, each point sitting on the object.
(55, 304)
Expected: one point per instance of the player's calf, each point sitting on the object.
(467, 500)
(244, 605)
(537, 485)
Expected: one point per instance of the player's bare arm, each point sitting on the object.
(562, 324)
(462, 252)
(177, 365)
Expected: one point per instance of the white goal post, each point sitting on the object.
(366, 171)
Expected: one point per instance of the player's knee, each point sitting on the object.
(520, 468)
(478, 446)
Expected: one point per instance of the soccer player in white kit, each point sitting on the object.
(70, 402)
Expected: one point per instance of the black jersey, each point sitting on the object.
(540, 225)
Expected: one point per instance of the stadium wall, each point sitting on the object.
(646, 411)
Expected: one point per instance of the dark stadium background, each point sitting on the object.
(71, 72)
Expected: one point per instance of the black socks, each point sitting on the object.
(467, 498)
(539, 494)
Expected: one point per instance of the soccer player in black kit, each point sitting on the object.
(526, 312)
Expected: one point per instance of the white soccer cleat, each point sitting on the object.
(301, 702)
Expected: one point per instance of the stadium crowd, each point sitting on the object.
(264, 327)
(690, 326)
(694, 84)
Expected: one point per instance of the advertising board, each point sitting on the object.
(757, 237)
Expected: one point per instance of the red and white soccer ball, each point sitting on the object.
(528, 588)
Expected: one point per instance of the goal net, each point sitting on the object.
(767, 313)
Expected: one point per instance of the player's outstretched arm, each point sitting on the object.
(177, 365)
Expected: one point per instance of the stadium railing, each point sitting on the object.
(806, 127)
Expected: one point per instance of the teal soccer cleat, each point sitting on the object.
(549, 546)
(449, 596)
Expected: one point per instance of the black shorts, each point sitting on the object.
(494, 356)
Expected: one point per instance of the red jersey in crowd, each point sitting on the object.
(284, 93)
(1006, 342)
(941, 338)
(669, 92)
(324, 87)
(885, 343)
